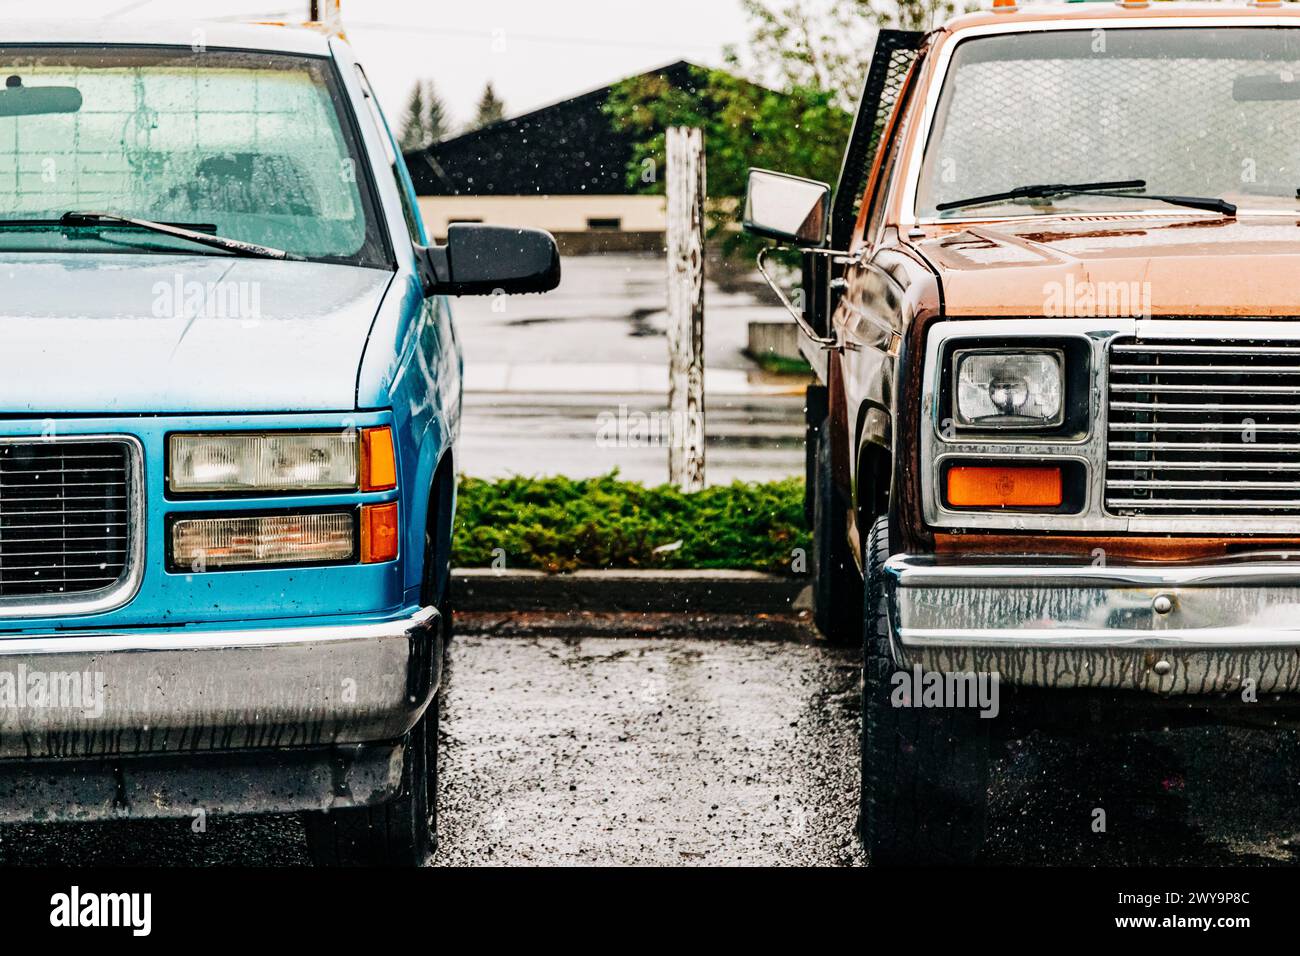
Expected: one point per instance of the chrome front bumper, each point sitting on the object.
(1166, 630)
(187, 691)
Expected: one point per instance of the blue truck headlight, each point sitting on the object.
(276, 540)
(262, 462)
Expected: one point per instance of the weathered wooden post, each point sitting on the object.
(685, 186)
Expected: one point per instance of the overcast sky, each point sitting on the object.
(534, 51)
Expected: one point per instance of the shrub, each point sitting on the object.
(563, 524)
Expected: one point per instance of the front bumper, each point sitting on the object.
(155, 723)
(191, 690)
(1174, 630)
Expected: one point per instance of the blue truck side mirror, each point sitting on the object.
(481, 260)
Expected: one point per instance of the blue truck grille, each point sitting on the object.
(64, 516)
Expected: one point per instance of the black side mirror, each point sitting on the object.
(481, 260)
(789, 209)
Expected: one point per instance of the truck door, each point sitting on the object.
(861, 302)
(896, 51)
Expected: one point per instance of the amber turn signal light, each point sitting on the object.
(378, 466)
(971, 487)
(378, 533)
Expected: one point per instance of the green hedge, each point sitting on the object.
(562, 524)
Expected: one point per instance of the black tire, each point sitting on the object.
(837, 586)
(925, 772)
(402, 831)
(399, 832)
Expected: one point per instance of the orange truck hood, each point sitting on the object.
(1175, 265)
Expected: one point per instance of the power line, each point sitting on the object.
(534, 37)
(127, 8)
(288, 15)
(454, 32)
(228, 18)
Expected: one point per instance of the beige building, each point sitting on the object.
(635, 221)
(564, 168)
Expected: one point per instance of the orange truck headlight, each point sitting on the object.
(1004, 487)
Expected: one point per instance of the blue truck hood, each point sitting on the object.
(143, 334)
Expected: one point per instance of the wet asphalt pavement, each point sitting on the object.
(676, 752)
(710, 751)
(610, 311)
(612, 308)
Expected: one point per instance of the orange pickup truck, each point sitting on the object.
(1054, 456)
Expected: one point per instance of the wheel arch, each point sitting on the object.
(873, 475)
(439, 525)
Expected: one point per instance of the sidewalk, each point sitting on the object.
(533, 407)
(554, 378)
(756, 437)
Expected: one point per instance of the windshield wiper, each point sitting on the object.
(1051, 190)
(236, 246)
(23, 223)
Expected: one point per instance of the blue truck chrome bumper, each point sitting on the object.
(1176, 629)
(156, 723)
(190, 690)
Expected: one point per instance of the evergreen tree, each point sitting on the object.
(412, 135)
(425, 120)
(490, 109)
(437, 121)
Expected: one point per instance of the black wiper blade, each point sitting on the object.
(235, 246)
(1047, 191)
(47, 223)
(1208, 203)
(1041, 191)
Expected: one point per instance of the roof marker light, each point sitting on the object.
(1004, 6)
(323, 16)
(1134, 4)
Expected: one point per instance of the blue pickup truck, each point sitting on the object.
(230, 392)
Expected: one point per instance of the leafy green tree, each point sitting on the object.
(425, 120)
(826, 44)
(801, 130)
(490, 108)
(783, 103)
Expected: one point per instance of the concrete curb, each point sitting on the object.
(643, 625)
(683, 592)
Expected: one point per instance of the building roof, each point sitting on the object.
(565, 149)
(215, 35)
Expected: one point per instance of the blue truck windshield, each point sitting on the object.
(256, 147)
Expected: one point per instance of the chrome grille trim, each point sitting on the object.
(1274, 340)
(123, 540)
(1161, 434)
(1085, 451)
